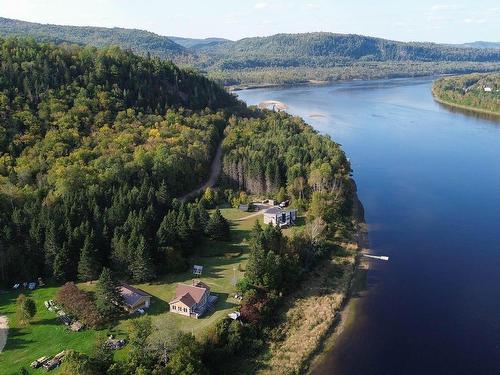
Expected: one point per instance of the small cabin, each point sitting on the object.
(134, 299)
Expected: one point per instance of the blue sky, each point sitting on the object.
(443, 21)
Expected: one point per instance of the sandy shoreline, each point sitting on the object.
(316, 313)
(4, 331)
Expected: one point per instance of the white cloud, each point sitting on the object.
(475, 20)
(261, 5)
(445, 7)
(312, 6)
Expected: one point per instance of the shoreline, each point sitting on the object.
(255, 86)
(317, 313)
(464, 107)
(357, 285)
(313, 82)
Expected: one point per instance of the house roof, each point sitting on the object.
(132, 295)
(190, 294)
(278, 210)
(273, 211)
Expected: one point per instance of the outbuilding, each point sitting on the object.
(134, 299)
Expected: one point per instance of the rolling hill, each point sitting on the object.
(138, 41)
(281, 58)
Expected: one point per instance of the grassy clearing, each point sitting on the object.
(44, 336)
(222, 261)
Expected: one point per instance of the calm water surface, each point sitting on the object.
(430, 183)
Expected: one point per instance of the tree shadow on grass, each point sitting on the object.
(158, 306)
(48, 322)
(16, 340)
(221, 304)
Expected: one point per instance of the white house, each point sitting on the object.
(280, 216)
(192, 300)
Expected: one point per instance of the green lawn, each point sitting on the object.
(222, 261)
(44, 336)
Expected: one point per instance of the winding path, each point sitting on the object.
(215, 170)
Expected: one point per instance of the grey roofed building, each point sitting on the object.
(134, 298)
(280, 216)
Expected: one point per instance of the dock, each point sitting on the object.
(379, 257)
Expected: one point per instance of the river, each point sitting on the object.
(429, 179)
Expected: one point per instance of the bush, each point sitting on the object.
(77, 303)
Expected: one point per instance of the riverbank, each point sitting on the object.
(316, 311)
(464, 107)
(312, 82)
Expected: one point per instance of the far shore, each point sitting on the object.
(314, 82)
(464, 107)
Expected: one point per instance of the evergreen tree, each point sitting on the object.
(218, 227)
(62, 264)
(183, 230)
(162, 194)
(89, 265)
(203, 216)
(142, 267)
(109, 300)
(167, 233)
(194, 222)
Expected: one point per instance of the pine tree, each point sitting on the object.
(194, 222)
(183, 230)
(50, 247)
(61, 264)
(218, 227)
(167, 233)
(109, 300)
(142, 267)
(89, 266)
(162, 194)
(204, 217)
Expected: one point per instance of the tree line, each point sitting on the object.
(94, 147)
(476, 91)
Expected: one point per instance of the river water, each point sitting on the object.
(429, 179)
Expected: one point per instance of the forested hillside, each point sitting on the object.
(295, 58)
(475, 91)
(262, 155)
(282, 58)
(139, 41)
(324, 49)
(94, 144)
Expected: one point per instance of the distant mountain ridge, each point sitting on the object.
(481, 44)
(138, 41)
(196, 43)
(280, 58)
(344, 46)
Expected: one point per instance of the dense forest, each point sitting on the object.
(94, 146)
(282, 58)
(139, 41)
(475, 91)
(264, 155)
